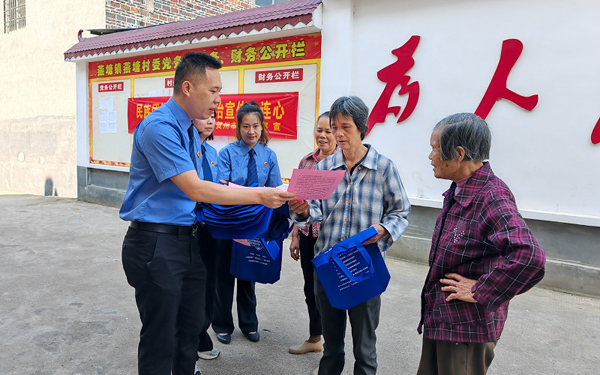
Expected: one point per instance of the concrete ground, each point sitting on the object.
(65, 308)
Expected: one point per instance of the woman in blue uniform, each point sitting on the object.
(247, 162)
(209, 246)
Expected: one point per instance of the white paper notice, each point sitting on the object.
(104, 116)
(314, 184)
(107, 103)
(108, 122)
(112, 127)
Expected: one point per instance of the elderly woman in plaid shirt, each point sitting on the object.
(482, 254)
(370, 194)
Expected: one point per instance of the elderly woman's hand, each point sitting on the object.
(300, 208)
(381, 232)
(295, 244)
(459, 286)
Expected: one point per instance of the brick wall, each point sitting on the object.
(140, 13)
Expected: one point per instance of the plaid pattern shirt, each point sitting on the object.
(372, 194)
(480, 235)
(310, 161)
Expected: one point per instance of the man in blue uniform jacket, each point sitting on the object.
(160, 255)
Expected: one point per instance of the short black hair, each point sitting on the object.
(211, 136)
(253, 108)
(353, 107)
(324, 114)
(193, 64)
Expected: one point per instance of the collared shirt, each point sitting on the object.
(479, 235)
(373, 194)
(233, 164)
(161, 150)
(310, 161)
(211, 155)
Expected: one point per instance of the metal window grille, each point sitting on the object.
(14, 15)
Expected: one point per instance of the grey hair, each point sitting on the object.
(468, 131)
(353, 107)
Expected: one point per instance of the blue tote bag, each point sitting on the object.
(241, 221)
(261, 261)
(352, 273)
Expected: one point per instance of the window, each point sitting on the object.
(14, 15)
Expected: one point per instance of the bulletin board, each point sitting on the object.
(271, 69)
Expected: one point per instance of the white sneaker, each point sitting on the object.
(212, 354)
(197, 370)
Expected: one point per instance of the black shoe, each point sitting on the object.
(254, 336)
(225, 338)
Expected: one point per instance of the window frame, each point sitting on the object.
(15, 15)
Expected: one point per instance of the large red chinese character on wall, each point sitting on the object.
(395, 75)
(511, 50)
(596, 133)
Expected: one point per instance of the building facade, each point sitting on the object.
(38, 103)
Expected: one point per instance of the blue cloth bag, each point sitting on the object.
(263, 227)
(352, 273)
(242, 221)
(260, 262)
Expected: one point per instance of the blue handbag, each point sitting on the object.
(260, 262)
(241, 221)
(352, 273)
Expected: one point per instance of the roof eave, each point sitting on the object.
(295, 25)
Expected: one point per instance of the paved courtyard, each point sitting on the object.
(65, 308)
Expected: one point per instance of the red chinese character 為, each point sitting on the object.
(511, 50)
(395, 75)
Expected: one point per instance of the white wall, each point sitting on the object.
(37, 97)
(545, 156)
(35, 79)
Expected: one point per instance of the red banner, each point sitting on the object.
(293, 48)
(280, 110)
(139, 108)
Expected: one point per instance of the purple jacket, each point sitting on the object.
(480, 235)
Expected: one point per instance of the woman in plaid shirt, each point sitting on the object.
(482, 254)
(370, 195)
(303, 239)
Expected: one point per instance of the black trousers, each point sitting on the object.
(246, 298)
(455, 358)
(169, 278)
(307, 253)
(209, 248)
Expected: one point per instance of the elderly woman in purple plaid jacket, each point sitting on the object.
(482, 254)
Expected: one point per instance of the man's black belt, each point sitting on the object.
(163, 228)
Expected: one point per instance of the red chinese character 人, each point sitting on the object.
(596, 133)
(395, 75)
(511, 50)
